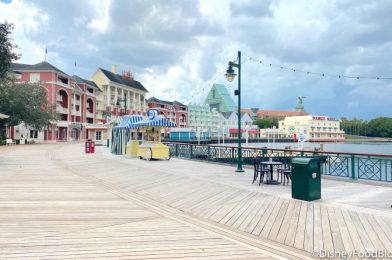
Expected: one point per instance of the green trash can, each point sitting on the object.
(306, 179)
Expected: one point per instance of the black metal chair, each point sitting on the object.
(285, 171)
(259, 169)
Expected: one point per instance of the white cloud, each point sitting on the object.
(27, 18)
(178, 47)
(101, 23)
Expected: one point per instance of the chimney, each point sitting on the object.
(114, 69)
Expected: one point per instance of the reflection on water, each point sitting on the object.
(376, 148)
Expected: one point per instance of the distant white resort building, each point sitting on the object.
(203, 117)
(218, 115)
(313, 128)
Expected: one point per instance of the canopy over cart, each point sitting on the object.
(141, 136)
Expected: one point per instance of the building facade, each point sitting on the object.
(74, 99)
(120, 95)
(313, 128)
(174, 111)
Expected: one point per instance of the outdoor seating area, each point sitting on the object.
(281, 168)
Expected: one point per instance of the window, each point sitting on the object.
(34, 77)
(98, 135)
(33, 134)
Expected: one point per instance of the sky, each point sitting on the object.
(178, 48)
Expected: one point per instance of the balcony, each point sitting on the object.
(59, 83)
(59, 98)
(62, 110)
(89, 114)
(76, 113)
(76, 102)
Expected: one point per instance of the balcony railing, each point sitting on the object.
(59, 98)
(61, 110)
(89, 114)
(76, 113)
(76, 102)
(374, 167)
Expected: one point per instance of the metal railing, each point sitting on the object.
(377, 167)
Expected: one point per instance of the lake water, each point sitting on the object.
(365, 147)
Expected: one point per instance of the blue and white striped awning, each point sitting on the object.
(129, 121)
(158, 121)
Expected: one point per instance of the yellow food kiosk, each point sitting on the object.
(151, 146)
(141, 136)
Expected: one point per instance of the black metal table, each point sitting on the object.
(271, 181)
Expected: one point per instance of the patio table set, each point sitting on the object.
(283, 169)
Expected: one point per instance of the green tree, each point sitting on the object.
(23, 102)
(26, 103)
(380, 127)
(7, 49)
(267, 122)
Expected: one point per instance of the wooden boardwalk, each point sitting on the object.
(56, 201)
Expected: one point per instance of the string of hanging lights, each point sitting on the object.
(340, 76)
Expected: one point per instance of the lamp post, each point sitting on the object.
(247, 134)
(125, 103)
(230, 75)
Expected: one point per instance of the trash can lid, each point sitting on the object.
(302, 160)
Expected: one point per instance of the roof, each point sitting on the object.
(18, 66)
(156, 100)
(80, 80)
(219, 95)
(228, 114)
(42, 66)
(119, 79)
(279, 113)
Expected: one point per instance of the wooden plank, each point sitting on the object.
(361, 231)
(377, 243)
(300, 232)
(326, 229)
(345, 234)
(356, 240)
(248, 214)
(280, 233)
(293, 226)
(264, 208)
(228, 207)
(252, 218)
(237, 211)
(270, 222)
(335, 231)
(385, 227)
(318, 241)
(267, 211)
(218, 205)
(380, 231)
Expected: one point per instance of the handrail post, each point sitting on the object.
(232, 154)
(176, 150)
(264, 153)
(191, 148)
(353, 167)
(208, 153)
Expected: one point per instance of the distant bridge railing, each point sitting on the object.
(376, 167)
